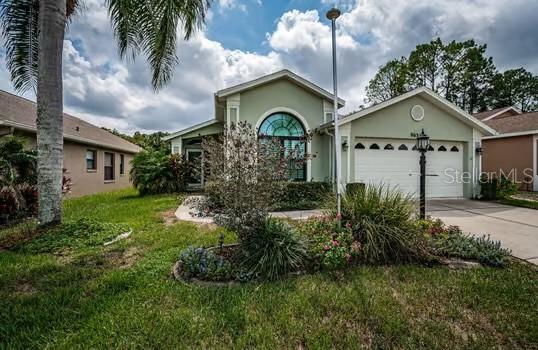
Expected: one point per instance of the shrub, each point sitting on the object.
(497, 188)
(302, 195)
(382, 220)
(274, 250)
(204, 264)
(354, 186)
(333, 246)
(158, 172)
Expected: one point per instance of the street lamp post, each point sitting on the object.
(332, 15)
(423, 143)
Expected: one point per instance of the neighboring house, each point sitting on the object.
(513, 152)
(377, 141)
(96, 160)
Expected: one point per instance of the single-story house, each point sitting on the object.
(377, 142)
(95, 159)
(514, 151)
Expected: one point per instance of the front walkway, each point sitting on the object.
(515, 227)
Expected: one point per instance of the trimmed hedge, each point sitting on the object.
(303, 195)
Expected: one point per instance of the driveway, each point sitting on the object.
(516, 228)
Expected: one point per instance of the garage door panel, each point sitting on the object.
(400, 168)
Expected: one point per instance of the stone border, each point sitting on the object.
(185, 212)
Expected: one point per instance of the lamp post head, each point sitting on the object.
(423, 141)
(333, 14)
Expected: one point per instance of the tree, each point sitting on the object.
(514, 87)
(148, 142)
(425, 65)
(390, 81)
(33, 31)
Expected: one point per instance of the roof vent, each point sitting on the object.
(77, 128)
(417, 113)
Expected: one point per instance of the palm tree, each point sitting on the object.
(33, 32)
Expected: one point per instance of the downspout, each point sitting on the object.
(331, 162)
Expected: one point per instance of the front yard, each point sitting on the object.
(122, 296)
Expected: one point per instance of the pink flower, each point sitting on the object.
(338, 216)
(335, 243)
(348, 224)
(326, 247)
(356, 246)
(348, 256)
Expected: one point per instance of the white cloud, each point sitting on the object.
(231, 4)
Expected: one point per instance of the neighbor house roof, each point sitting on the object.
(282, 74)
(191, 128)
(20, 113)
(497, 113)
(431, 96)
(527, 122)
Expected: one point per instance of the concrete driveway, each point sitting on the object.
(516, 228)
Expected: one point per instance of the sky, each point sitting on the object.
(245, 39)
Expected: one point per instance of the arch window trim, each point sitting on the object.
(388, 147)
(454, 149)
(441, 148)
(374, 146)
(403, 148)
(359, 146)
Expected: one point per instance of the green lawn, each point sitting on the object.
(523, 199)
(122, 296)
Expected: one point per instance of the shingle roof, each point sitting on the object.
(516, 123)
(508, 111)
(20, 113)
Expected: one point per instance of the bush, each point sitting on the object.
(382, 220)
(333, 246)
(302, 195)
(274, 250)
(158, 172)
(497, 188)
(354, 187)
(204, 264)
(450, 241)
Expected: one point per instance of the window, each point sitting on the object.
(359, 146)
(289, 131)
(442, 149)
(122, 164)
(414, 148)
(403, 147)
(328, 116)
(109, 166)
(430, 148)
(91, 159)
(374, 146)
(454, 149)
(388, 147)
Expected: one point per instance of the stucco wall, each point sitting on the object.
(285, 96)
(395, 122)
(509, 154)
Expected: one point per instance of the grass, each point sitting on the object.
(522, 199)
(122, 296)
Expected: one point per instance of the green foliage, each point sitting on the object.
(381, 219)
(450, 241)
(497, 188)
(390, 81)
(17, 165)
(158, 172)
(514, 87)
(332, 246)
(354, 186)
(204, 264)
(78, 234)
(275, 249)
(302, 195)
(149, 142)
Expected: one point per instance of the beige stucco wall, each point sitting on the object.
(395, 122)
(83, 181)
(509, 154)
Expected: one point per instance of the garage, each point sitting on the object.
(395, 162)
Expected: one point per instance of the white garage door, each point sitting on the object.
(393, 162)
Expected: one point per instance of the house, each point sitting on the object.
(377, 142)
(95, 159)
(513, 152)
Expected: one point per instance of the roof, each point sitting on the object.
(517, 123)
(282, 74)
(191, 128)
(20, 113)
(497, 112)
(434, 99)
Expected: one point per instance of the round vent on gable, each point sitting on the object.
(417, 113)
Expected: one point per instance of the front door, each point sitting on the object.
(194, 157)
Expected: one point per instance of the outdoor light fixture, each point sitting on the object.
(345, 146)
(479, 150)
(423, 143)
(332, 15)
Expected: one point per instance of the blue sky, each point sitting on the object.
(245, 39)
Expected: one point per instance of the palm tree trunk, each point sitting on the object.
(50, 110)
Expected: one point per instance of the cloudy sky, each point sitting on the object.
(244, 39)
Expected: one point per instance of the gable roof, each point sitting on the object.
(20, 113)
(517, 123)
(282, 74)
(497, 112)
(191, 128)
(431, 97)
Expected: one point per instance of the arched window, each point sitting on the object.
(359, 146)
(414, 148)
(430, 148)
(289, 131)
(388, 146)
(442, 149)
(454, 149)
(403, 147)
(374, 146)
